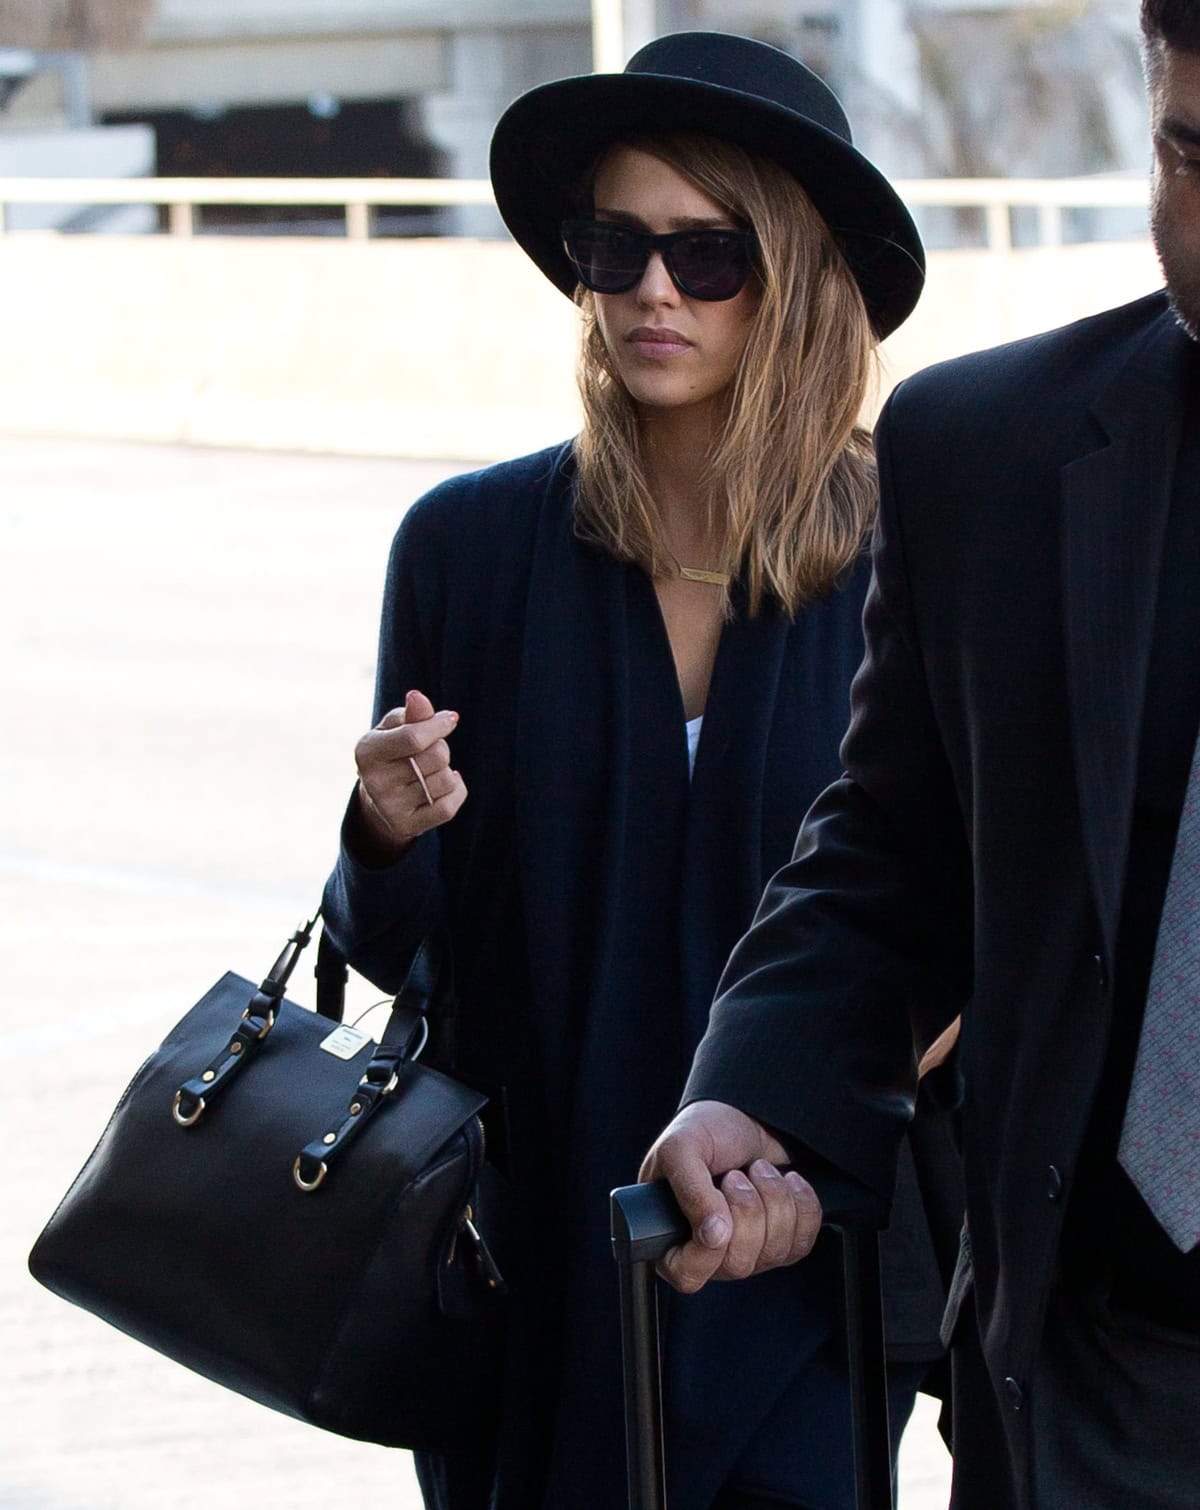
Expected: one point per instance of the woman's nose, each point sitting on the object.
(657, 285)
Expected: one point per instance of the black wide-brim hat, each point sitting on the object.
(723, 86)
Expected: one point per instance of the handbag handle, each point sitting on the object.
(401, 1042)
(331, 972)
(194, 1095)
(403, 1038)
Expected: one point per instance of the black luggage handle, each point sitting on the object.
(646, 1222)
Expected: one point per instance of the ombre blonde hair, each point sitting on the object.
(789, 478)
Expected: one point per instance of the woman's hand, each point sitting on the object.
(405, 782)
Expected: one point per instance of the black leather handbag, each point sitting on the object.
(299, 1213)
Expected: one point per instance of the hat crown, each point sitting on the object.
(753, 68)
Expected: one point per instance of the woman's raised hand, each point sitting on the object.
(405, 782)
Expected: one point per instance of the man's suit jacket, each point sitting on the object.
(973, 854)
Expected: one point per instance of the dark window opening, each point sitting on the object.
(326, 138)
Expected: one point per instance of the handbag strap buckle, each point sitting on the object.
(268, 1020)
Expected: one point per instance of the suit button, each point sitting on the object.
(1016, 1395)
(1054, 1183)
(1101, 972)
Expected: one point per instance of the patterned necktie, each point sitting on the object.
(1160, 1141)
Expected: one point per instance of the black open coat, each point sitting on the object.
(977, 847)
(593, 895)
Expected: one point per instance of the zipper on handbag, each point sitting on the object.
(489, 1270)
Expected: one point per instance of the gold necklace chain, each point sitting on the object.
(694, 574)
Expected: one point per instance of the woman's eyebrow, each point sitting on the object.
(676, 222)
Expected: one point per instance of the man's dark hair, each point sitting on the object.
(1169, 23)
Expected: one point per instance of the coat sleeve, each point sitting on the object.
(860, 949)
(377, 917)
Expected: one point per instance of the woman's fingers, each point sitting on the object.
(429, 790)
(445, 803)
(400, 739)
(403, 815)
(406, 781)
(417, 707)
(435, 758)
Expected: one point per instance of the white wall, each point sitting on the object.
(424, 349)
(189, 20)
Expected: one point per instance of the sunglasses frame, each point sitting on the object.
(744, 243)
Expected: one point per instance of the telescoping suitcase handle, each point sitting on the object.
(646, 1222)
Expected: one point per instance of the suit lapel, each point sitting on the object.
(1115, 504)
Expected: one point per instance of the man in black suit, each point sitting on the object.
(1007, 840)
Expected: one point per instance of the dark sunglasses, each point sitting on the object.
(703, 264)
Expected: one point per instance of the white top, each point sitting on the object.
(693, 739)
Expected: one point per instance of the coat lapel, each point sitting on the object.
(570, 703)
(1115, 504)
(723, 861)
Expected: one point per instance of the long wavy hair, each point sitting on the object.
(789, 479)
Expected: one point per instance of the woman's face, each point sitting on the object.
(671, 351)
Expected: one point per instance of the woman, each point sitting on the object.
(612, 677)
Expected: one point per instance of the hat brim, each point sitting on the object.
(548, 139)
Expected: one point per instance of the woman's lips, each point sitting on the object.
(656, 343)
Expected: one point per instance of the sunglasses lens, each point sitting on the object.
(710, 264)
(608, 258)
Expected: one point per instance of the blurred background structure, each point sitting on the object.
(336, 277)
(362, 88)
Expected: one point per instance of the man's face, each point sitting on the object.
(1175, 216)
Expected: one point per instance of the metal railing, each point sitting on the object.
(996, 197)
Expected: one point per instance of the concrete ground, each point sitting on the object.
(187, 646)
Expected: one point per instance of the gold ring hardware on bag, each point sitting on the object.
(178, 1115)
(388, 1088)
(267, 1026)
(306, 1185)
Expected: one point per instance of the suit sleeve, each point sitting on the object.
(860, 949)
(377, 917)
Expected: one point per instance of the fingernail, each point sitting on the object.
(765, 1170)
(793, 1181)
(454, 718)
(713, 1231)
(738, 1180)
